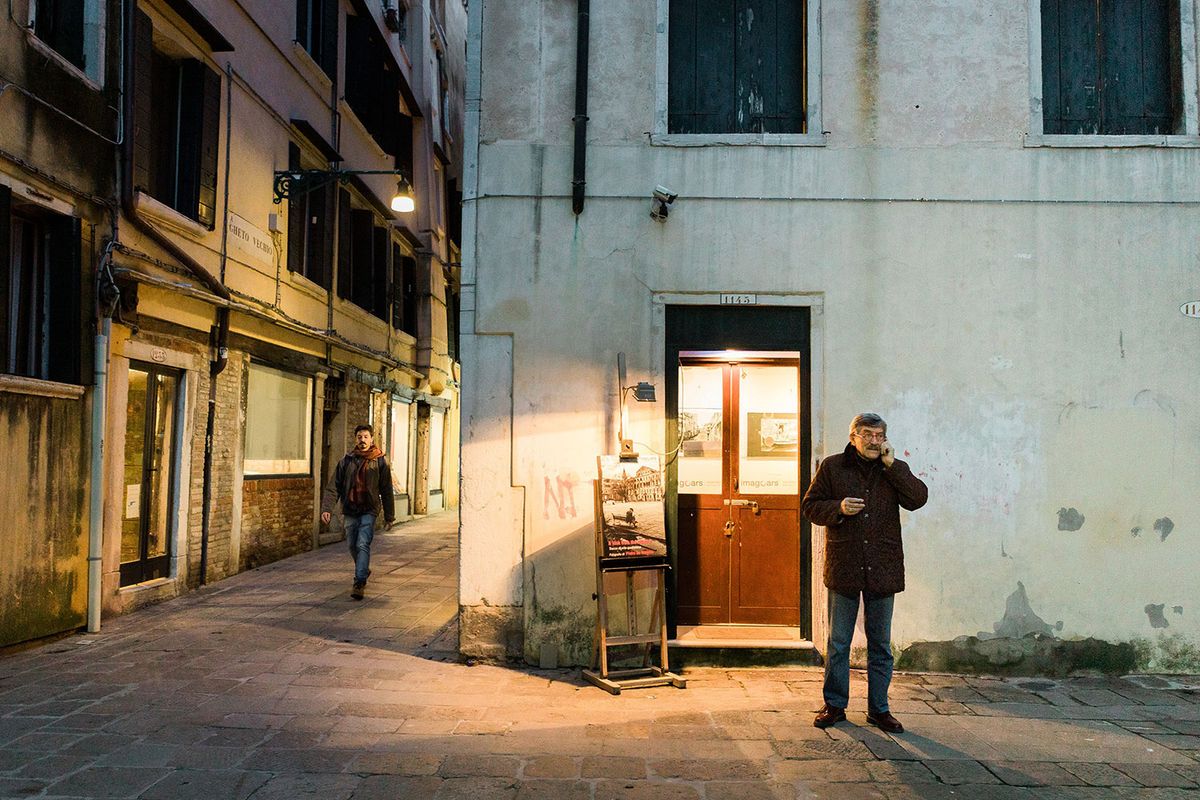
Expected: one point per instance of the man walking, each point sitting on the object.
(362, 482)
(857, 495)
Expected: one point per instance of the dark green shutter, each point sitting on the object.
(210, 138)
(320, 206)
(397, 288)
(298, 221)
(302, 30)
(143, 88)
(410, 295)
(362, 288)
(1139, 66)
(6, 268)
(329, 38)
(345, 280)
(63, 346)
(379, 278)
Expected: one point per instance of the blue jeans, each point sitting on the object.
(360, 530)
(877, 620)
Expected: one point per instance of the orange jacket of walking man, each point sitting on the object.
(857, 496)
(362, 482)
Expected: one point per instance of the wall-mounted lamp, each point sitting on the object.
(297, 182)
(643, 392)
(660, 205)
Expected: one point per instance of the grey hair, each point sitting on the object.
(867, 420)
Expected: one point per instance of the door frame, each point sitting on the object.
(779, 322)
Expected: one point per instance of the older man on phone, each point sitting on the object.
(857, 496)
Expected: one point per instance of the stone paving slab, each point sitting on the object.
(273, 684)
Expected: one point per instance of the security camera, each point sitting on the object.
(664, 194)
(660, 207)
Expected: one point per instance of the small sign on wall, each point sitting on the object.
(249, 241)
(739, 299)
(1191, 309)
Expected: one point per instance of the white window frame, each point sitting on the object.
(254, 468)
(1191, 124)
(437, 457)
(812, 112)
(400, 413)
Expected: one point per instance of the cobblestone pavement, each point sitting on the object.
(275, 685)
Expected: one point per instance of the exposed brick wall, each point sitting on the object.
(225, 453)
(276, 519)
(358, 410)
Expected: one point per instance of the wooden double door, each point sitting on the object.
(738, 487)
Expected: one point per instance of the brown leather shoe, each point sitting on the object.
(829, 715)
(885, 722)
(357, 592)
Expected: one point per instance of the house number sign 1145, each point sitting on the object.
(739, 299)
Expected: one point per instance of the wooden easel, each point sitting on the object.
(613, 681)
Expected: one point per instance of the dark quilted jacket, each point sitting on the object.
(863, 551)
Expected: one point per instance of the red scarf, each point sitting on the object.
(360, 497)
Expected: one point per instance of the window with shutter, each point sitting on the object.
(1111, 67)
(59, 23)
(736, 66)
(40, 289)
(317, 32)
(176, 113)
(310, 247)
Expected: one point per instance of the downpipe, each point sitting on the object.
(96, 510)
(579, 179)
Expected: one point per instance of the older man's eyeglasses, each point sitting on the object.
(868, 436)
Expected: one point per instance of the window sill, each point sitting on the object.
(738, 139)
(347, 112)
(16, 384)
(61, 60)
(155, 583)
(1097, 140)
(308, 287)
(311, 67)
(168, 217)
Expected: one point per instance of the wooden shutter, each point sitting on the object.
(404, 147)
(298, 221)
(143, 123)
(397, 289)
(1075, 50)
(345, 280)
(379, 278)
(363, 268)
(210, 138)
(1138, 66)
(302, 28)
(700, 66)
(63, 346)
(329, 38)
(320, 207)
(6, 268)
(409, 291)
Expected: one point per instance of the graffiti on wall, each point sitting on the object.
(559, 491)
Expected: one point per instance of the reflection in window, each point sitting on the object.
(278, 422)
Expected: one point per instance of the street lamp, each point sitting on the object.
(643, 392)
(296, 182)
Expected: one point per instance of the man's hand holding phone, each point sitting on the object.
(852, 505)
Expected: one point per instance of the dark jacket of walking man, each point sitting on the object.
(857, 496)
(362, 482)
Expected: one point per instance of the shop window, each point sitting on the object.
(73, 29)
(176, 112)
(40, 290)
(437, 437)
(317, 32)
(399, 455)
(736, 67)
(278, 422)
(310, 239)
(1111, 68)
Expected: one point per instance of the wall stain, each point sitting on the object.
(1136, 530)
(1019, 619)
(1164, 526)
(1069, 519)
(868, 65)
(1154, 612)
(1177, 609)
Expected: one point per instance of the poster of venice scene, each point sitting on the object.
(631, 509)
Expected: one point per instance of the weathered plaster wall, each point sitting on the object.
(1011, 311)
(43, 549)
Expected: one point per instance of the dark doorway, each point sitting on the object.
(738, 387)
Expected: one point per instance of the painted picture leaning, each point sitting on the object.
(631, 514)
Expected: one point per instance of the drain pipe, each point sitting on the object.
(581, 96)
(96, 510)
(219, 333)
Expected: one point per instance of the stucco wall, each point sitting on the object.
(1011, 311)
(43, 550)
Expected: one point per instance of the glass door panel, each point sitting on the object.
(701, 419)
(768, 453)
(150, 433)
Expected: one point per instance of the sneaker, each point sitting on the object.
(357, 592)
(829, 715)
